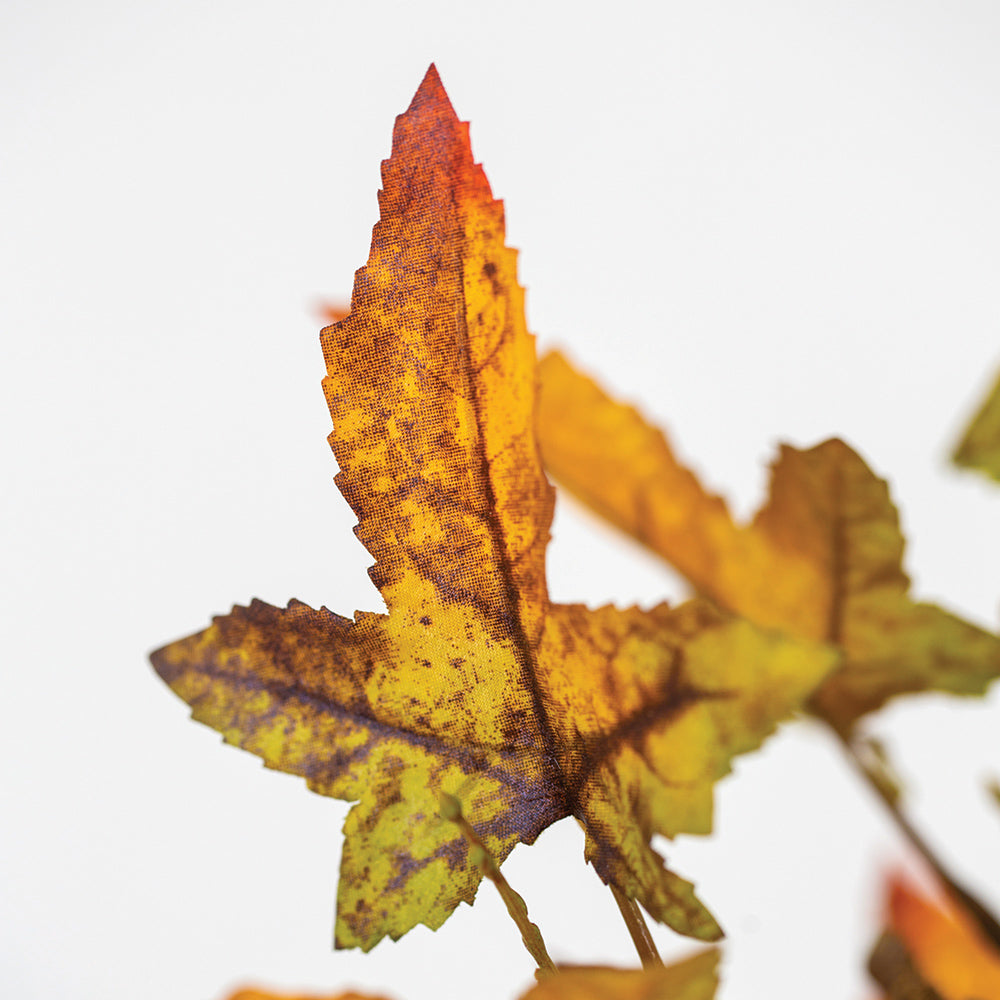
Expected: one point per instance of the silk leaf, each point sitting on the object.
(822, 559)
(474, 683)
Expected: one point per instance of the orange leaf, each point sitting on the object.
(474, 684)
(694, 978)
(331, 312)
(822, 559)
(944, 944)
(255, 994)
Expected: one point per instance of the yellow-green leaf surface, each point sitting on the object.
(474, 684)
(980, 446)
(821, 560)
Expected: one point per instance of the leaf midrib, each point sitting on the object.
(522, 646)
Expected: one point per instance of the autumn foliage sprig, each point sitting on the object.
(475, 686)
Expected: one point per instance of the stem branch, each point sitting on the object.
(886, 791)
(451, 809)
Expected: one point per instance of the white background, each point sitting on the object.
(764, 222)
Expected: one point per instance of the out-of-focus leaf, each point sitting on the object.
(822, 559)
(333, 312)
(474, 683)
(892, 967)
(943, 945)
(694, 978)
(255, 994)
(979, 448)
(993, 787)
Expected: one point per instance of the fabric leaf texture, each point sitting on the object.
(474, 683)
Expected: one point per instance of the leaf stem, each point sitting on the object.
(451, 809)
(637, 928)
(877, 777)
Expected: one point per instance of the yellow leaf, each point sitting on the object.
(821, 560)
(694, 978)
(474, 684)
(944, 945)
(980, 447)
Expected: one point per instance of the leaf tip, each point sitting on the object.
(430, 91)
(167, 668)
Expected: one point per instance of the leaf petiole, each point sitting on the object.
(451, 809)
(877, 773)
(637, 928)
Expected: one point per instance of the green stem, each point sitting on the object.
(985, 920)
(637, 928)
(451, 809)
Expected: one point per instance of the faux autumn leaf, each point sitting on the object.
(892, 967)
(474, 684)
(980, 447)
(822, 559)
(693, 979)
(254, 994)
(944, 945)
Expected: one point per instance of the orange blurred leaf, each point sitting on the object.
(474, 683)
(333, 312)
(822, 559)
(255, 994)
(943, 944)
(694, 978)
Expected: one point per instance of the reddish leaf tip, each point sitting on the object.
(431, 92)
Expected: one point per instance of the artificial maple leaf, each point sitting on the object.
(893, 968)
(943, 945)
(980, 445)
(474, 684)
(693, 978)
(255, 994)
(822, 559)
